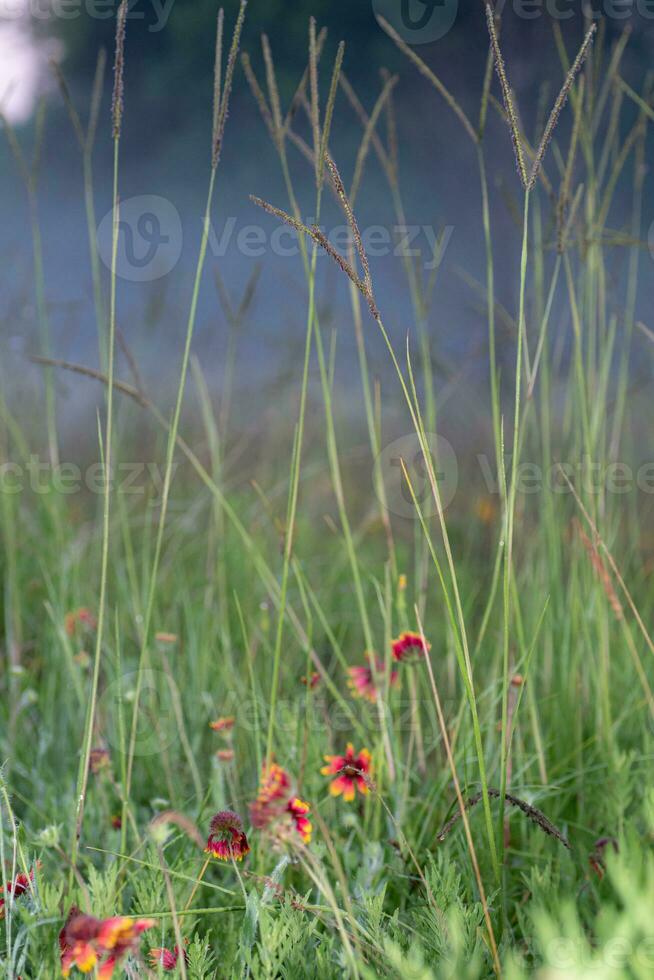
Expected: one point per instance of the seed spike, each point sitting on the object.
(119, 68)
(218, 72)
(506, 95)
(561, 100)
(219, 130)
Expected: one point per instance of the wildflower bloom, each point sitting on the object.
(166, 637)
(118, 936)
(225, 755)
(312, 681)
(79, 617)
(87, 942)
(352, 771)
(274, 785)
(227, 838)
(362, 678)
(298, 810)
(17, 887)
(277, 809)
(166, 958)
(77, 942)
(274, 788)
(222, 724)
(486, 510)
(409, 646)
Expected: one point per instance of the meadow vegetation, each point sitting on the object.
(243, 738)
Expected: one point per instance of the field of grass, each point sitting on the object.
(444, 661)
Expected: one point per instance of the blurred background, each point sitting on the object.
(165, 155)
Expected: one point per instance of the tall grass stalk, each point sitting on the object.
(107, 445)
(220, 118)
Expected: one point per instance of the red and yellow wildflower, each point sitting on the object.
(223, 725)
(277, 810)
(87, 942)
(166, 958)
(408, 647)
(362, 680)
(20, 884)
(298, 810)
(227, 838)
(79, 618)
(353, 772)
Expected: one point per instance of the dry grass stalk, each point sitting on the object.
(535, 815)
(88, 372)
(391, 126)
(601, 571)
(259, 97)
(364, 118)
(268, 112)
(301, 89)
(384, 101)
(273, 90)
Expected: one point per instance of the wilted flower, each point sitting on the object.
(276, 809)
(87, 942)
(116, 821)
(222, 724)
(362, 678)
(79, 617)
(166, 958)
(312, 681)
(409, 646)
(17, 887)
(352, 771)
(225, 755)
(227, 838)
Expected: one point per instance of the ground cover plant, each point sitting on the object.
(263, 727)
